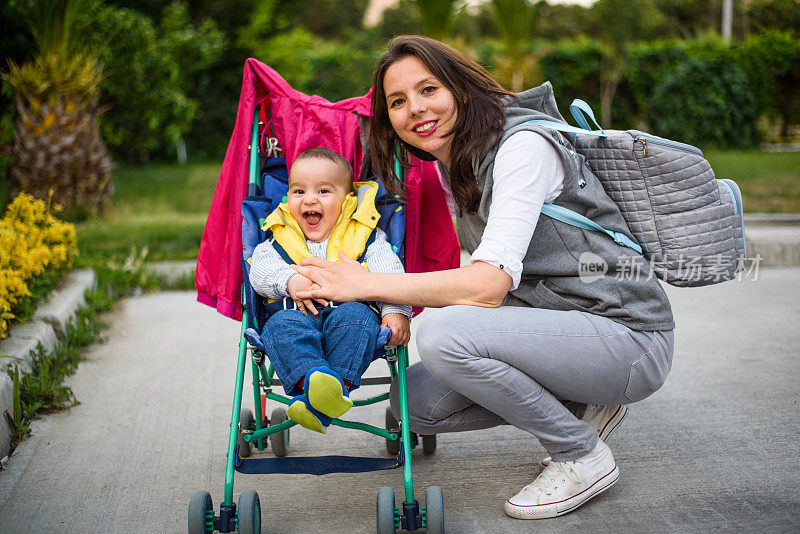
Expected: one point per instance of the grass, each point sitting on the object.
(162, 208)
(770, 181)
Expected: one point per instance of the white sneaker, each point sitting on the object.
(564, 486)
(605, 419)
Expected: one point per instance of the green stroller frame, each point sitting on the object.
(253, 430)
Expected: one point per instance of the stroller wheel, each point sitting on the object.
(385, 518)
(280, 440)
(201, 513)
(246, 422)
(392, 446)
(429, 443)
(434, 510)
(249, 513)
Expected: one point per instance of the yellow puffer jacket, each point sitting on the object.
(351, 233)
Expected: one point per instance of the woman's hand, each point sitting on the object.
(298, 283)
(398, 323)
(337, 281)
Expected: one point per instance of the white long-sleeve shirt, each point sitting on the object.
(527, 173)
(269, 273)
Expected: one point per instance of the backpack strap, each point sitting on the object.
(568, 216)
(562, 127)
(580, 110)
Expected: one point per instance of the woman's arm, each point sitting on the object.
(380, 258)
(527, 173)
(479, 284)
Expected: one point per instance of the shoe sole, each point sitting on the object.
(549, 510)
(604, 433)
(325, 395)
(298, 412)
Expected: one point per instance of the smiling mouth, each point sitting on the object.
(312, 218)
(425, 128)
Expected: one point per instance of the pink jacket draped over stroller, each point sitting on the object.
(300, 122)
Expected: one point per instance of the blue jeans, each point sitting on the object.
(343, 338)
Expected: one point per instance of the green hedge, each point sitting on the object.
(705, 103)
(772, 64)
(700, 91)
(574, 70)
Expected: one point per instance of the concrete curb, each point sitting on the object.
(65, 299)
(45, 329)
(777, 246)
(775, 237)
(771, 219)
(173, 270)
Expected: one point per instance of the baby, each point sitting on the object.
(320, 354)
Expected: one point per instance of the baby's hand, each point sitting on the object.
(298, 282)
(401, 331)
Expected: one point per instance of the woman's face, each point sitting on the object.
(421, 109)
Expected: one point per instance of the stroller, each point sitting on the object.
(266, 187)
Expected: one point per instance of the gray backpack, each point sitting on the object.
(688, 224)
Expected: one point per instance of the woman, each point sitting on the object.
(521, 328)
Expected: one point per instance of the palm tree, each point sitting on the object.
(57, 145)
(437, 17)
(621, 23)
(515, 21)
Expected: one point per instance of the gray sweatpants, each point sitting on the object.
(483, 367)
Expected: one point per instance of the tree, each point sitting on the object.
(57, 145)
(688, 19)
(559, 21)
(515, 21)
(151, 77)
(772, 64)
(781, 15)
(620, 23)
(401, 19)
(436, 17)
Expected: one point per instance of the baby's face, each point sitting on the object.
(316, 193)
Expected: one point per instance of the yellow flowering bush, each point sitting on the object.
(32, 240)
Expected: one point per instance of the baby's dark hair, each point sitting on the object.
(330, 155)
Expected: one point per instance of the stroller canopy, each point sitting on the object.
(300, 122)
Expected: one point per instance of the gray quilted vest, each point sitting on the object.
(567, 268)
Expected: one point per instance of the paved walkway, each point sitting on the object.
(715, 450)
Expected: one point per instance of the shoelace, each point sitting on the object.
(554, 474)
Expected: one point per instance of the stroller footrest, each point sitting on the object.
(316, 465)
(372, 381)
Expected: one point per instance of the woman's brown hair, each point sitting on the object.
(479, 122)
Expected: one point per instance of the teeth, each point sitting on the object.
(425, 127)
